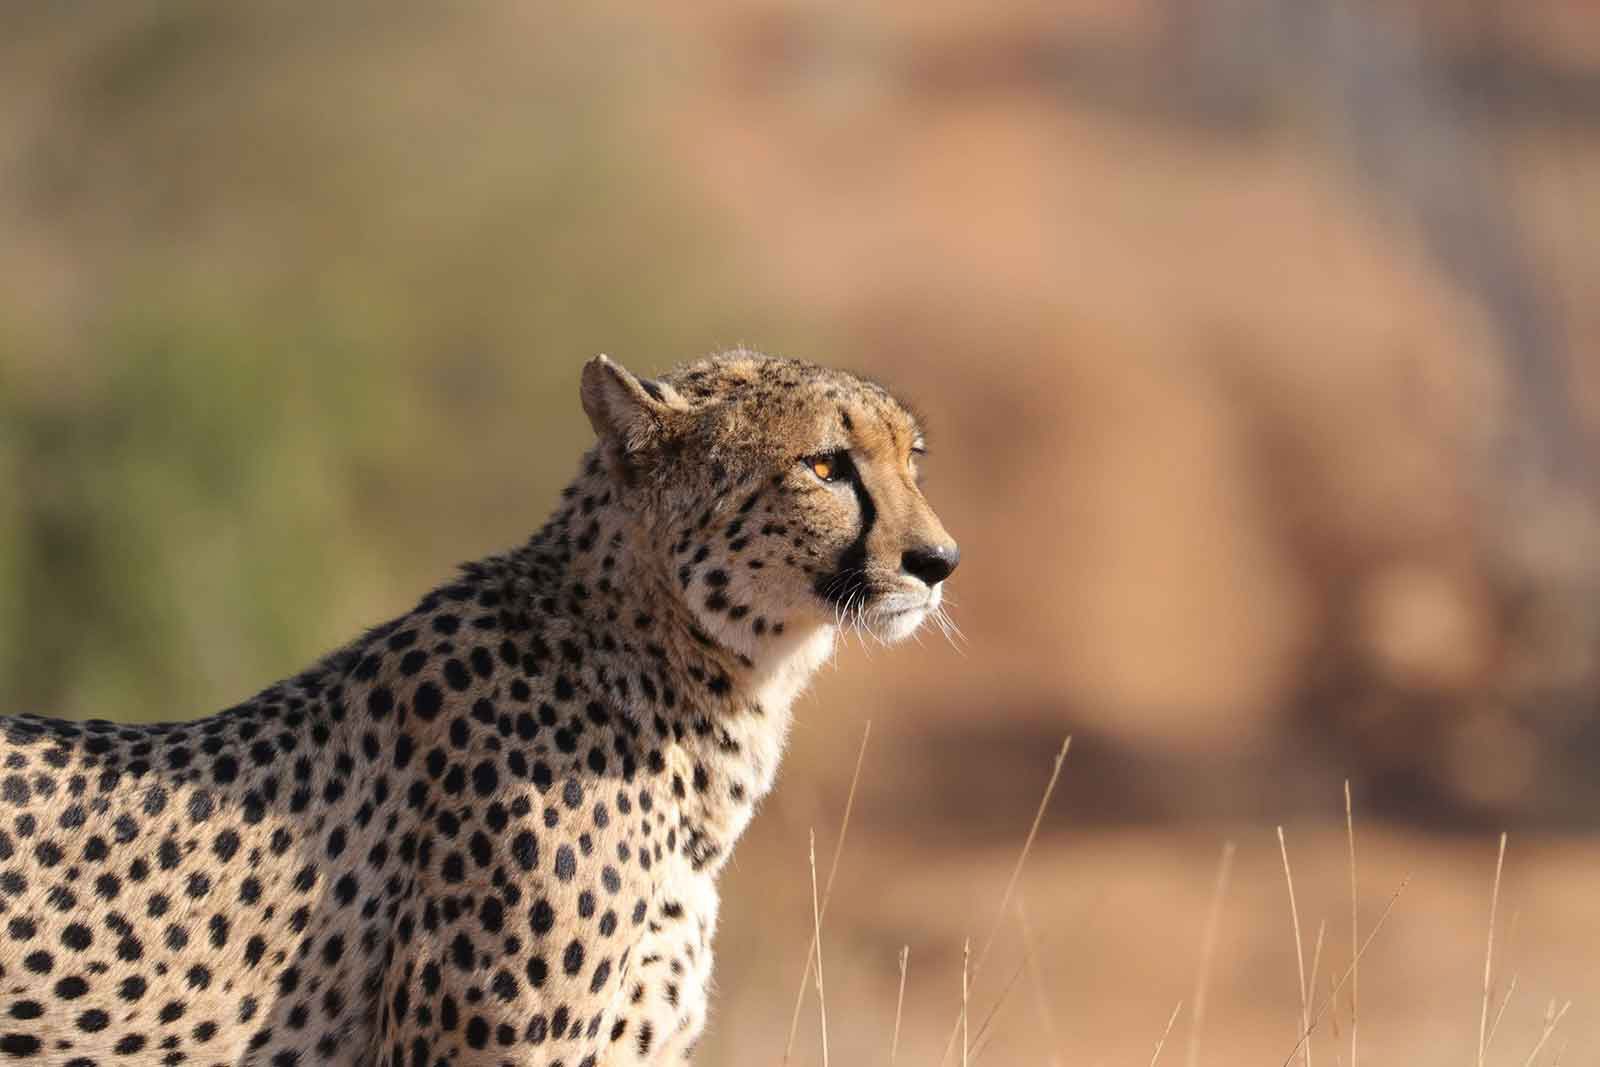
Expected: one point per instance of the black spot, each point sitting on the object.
(345, 889)
(566, 863)
(572, 958)
(380, 702)
(482, 662)
(428, 700)
(461, 952)
(71, 988)
(538, 971)
(225, 770)
(225, 845)
(20, 1045)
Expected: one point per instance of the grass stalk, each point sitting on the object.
(1041, 1000)
(816, 918)
(966, 960)
(827, 892)
(1488, 955)
(1011, 887)
(1355, 922)
(1316, 960)
(899, 1004)
(1552, 1019)
(1208, 946)
(1165, 1034)
(1299, 949)
(1332, 996)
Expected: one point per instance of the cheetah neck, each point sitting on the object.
(779, 677)
(600, 592)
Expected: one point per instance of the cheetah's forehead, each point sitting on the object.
(812, 406)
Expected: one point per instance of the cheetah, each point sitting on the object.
(489, 831)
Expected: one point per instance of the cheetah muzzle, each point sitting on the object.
(487, 832)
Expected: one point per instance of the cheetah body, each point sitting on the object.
(488, 831)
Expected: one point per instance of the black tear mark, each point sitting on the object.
(849, 574)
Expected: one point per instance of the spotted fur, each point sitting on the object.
(488, 831)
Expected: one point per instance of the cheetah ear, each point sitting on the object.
(631, 415)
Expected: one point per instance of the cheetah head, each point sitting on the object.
(782, 497)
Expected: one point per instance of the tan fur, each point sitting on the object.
(488, 831)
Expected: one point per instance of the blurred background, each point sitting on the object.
(1257, 341)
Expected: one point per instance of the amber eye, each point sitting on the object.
(830, 466)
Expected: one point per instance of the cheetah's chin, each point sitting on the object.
(895, 626)
(899, 615)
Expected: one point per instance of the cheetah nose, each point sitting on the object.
(931, 563)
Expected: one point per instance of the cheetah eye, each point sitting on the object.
(830, 466)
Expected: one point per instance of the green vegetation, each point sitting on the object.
(294, 336)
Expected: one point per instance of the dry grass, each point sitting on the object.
(816, 941)
(973, 1043)
(1011, 888)
(1156, 1055)
(966, 960)
(813, 953)
(1202, 982)
(1354, 963)
(1299, 948)
(899, 1005)
(1488, 954)
(1041, 999)
(1552, 1019)
(1355, 922)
